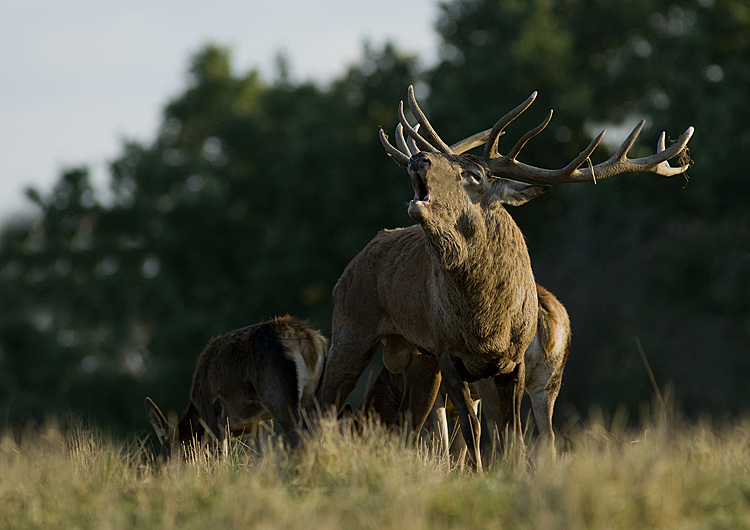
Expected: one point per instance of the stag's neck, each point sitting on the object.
(479, 265)
(477, 242)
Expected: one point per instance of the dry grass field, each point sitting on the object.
(666, 474)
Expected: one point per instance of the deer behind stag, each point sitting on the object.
(458, 285)
(269, 370)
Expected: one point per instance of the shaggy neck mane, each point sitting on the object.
(480, 264)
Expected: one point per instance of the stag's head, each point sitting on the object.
(446, 186)
(448, 182)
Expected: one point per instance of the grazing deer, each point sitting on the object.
(544, 359)
(265, 371)
(458, 285)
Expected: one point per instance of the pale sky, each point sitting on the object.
(79, 76)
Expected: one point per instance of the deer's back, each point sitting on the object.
(233, 366)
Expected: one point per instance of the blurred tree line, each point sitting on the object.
(255, 195)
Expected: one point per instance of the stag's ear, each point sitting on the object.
(514, 193)
(159, 422)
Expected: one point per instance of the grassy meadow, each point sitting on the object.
(666, 474)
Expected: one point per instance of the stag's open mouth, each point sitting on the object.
(421, 193)
(419, 207)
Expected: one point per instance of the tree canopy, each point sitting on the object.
(255, 194)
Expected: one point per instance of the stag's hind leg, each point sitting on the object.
(543, 392)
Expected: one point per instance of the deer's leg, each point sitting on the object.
(421, 385)
(436, 426)
(278, 392)
(457, 442)
(543, 394)
(460, 396)
(347, 359)
(542, 408)
(384, 397)
(502, 408)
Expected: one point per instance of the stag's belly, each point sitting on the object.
(485, 347)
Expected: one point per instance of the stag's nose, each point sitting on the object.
(419, 162)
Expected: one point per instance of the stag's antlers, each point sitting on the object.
(509, 165)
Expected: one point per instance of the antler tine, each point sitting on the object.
(490, 147)
(657, 163)
(394, 153)
(622, 152)
(663, 168)
(662, 155)
(421, 142)
(413, 149)
(528, 136)
(401, 142)
(582, 156)
(425, 123)
(616, 165)
(471, 142)
(660, 143)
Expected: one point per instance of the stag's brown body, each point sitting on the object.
(268, 370)
(481, 307)
(545, 360)
(459, 286)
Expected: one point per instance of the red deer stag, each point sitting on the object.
(265, 371)
(544, 359)
(458, 285)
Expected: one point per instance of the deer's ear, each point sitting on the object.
(157, 420)
(514, 193)
(346, 413)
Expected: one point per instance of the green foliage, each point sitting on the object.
(665, 260)
(249, 203)
(254, 195)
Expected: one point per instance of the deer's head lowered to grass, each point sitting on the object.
(456, 291)
(269, 370)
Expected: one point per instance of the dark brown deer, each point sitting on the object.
(458, 285)
(265, 371)
(544, 359)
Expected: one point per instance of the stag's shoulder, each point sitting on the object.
(389, 243)
(410, 235)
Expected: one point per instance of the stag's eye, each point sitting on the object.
(471, 176)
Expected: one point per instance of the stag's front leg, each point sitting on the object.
(501, 402)
(458, 392)
(421, 385)
(347, 359)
